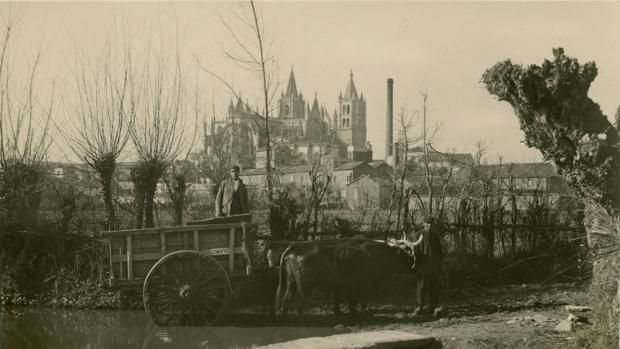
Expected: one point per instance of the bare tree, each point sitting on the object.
(422, 162)
(159, 130)
(254, 55)
(404, 193)
(24, 135)
(320, 177)
(105, 112)
(179, 175)
(217, 158)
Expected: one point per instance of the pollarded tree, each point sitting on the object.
(559, 119)
(158, 133)
(105, 112)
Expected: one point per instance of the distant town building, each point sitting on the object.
(368, 191)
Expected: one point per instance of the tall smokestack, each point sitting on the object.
(389, 119)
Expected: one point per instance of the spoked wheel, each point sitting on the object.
(186, 288)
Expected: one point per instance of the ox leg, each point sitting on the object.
(353, 299)
(364, 302)
(283, 301)
(299, 296)
(337, 296)
(300, 306)
(289, 297)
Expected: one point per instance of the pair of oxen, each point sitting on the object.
(346, 269)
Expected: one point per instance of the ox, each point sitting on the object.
(349, 267)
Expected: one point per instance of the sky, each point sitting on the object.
(441, 48)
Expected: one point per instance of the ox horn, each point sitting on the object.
(411, 244)
(419, 241)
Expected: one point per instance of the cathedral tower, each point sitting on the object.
(292, 108)
(351, 119)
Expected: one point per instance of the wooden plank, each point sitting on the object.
(120, 267)
(138, 257)
(129, 258)
(185, 241)
(246, 250)
(231, 244)
(148, 231)
(110, 256)
(162, 243)
(156, 256)
(196, 241)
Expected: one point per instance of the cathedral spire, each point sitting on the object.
(291, 88)
(239, 107)
(351, 92)
(315, 107)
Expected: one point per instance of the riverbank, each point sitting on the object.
(82, 295)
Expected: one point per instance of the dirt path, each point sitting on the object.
(506, 317)
(498, 330)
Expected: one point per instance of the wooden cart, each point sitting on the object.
(188, 275)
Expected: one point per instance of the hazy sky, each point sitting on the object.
(442, 48)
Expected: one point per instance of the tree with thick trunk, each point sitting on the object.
(559, 119)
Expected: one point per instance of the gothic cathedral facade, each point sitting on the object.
(298, 123)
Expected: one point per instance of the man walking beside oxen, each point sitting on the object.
(429, 256)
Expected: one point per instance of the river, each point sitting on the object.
(53, 328)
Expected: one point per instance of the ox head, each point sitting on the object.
(405, 244)
(409, 247)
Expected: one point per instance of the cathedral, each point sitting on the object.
(298, 125)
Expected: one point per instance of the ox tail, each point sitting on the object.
(281, 280)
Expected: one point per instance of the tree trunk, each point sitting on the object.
(179, 203)
(149, 205)
(605, 285)
(109, 204)
(138, 202)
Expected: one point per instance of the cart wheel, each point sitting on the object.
(186, 288)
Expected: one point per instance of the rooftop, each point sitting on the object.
(520, 170)
(349, 165)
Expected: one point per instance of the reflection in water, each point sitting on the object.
(98, 329)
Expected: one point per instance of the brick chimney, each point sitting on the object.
(389, 119)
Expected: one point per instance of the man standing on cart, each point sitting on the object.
(232, 196)
(232, 199)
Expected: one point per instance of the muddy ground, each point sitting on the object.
(504, 317)
(522, 316)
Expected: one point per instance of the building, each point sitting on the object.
(368, 191)
(300, 121)
(528, 182)
(347, 173)
(350, 117)
(438, 160)
(299, 125)
(241, 128)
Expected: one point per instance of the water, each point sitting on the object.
(50, 328)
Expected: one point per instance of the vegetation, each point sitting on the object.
(559, 119)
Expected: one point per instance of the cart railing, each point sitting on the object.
(133, 252)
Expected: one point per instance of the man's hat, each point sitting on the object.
(428, 219)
